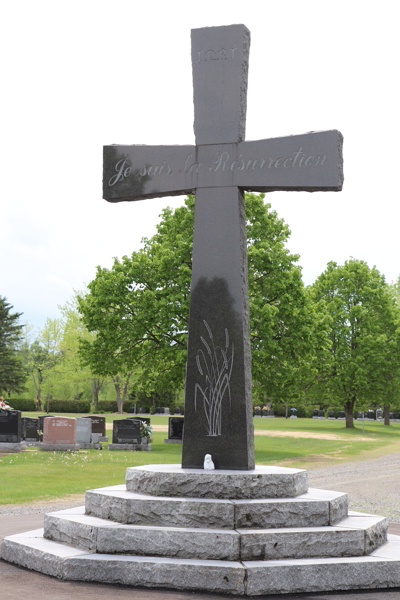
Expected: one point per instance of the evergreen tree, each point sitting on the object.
(12, 372)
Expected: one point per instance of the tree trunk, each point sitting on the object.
(348, 412)
(37, 387)
(126, 386)
(120, 402)
(96, 387)
(386, 414)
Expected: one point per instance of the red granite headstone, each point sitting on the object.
(59, 430)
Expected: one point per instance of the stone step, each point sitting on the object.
(315, 508)
(381, 569)
(173, 480)
(73, 527)
(354, 536)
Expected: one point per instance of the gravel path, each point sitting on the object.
(373, 486)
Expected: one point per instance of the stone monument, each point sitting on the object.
(235, 529)
(218, 406)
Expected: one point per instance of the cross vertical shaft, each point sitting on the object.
(218, 406)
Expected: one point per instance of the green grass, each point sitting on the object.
(34, 475)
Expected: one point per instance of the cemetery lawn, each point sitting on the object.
(304, 443)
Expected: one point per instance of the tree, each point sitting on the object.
(396, 290)
(43, 355)
(12, 372)
(77, 378)
(139, 308)
(364, 334)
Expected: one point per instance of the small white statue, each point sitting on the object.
(208, 463)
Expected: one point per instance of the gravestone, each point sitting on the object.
(321, 414)
(341, 416)
(30, 429)
(175, 430)
(83, 430)
(41, 425)
(315, 414)
(126, 431)
(218, 406)
(98, 424)
(10, 426)
(146, 420)
(177, 410)
(257, 412)
(331, 414)
(59, 430)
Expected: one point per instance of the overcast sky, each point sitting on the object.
(77, 75)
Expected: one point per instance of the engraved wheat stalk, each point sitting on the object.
(215, 367)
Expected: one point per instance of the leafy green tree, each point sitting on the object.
(77, 379)
(43, 355)
(139, 308)
(364, 335)
(396, 290)
(12, 372)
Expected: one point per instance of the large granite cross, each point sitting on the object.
(218, 407)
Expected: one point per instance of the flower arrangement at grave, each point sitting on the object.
(4, 406)
(145, 430)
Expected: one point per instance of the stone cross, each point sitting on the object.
(218, 406)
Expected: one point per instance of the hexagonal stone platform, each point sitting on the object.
(239, 546)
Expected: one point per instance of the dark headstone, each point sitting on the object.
(126, 431)
(257, 412)
(218, 406)
(146, 420)
(98, 424)
(177, 410)
(10, 426)
(30, 429)
(41, 425)
(321, 414)
(315, 414)
(341, 415)
(175, 428)
(132, 410)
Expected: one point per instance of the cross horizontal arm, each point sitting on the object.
(309, 162)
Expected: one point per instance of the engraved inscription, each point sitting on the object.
(191, 166)
(223, 54)
(121, 171)
(221, 161)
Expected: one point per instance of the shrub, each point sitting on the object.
(108, 405)
(68, 406)
(22, 404)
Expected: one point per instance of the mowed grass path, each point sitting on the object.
(39, 476)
